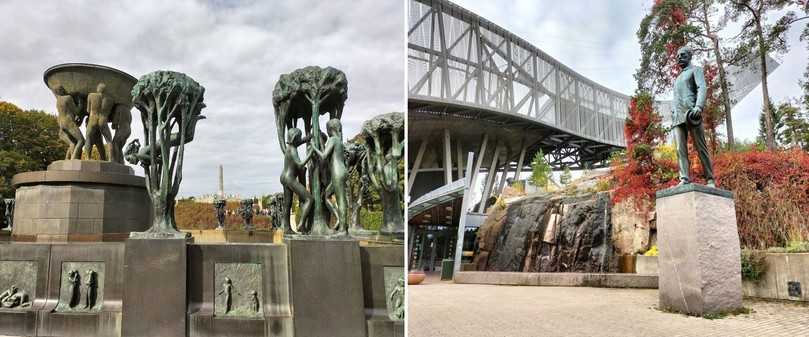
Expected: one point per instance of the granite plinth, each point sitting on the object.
(80, 200)
(699, 253)
(102, 319)
(375, 261)
(247, 265)
(22, 321)
(154, 299)
(327, 288)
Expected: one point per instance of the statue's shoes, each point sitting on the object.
(711, 183)
(683, 182)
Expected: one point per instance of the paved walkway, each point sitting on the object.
(446, 309)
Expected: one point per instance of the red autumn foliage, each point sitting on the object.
(771, 191)
(673, 22)
(641, 174)
(199, 215)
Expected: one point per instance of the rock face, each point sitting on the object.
(548, 233)
(633, 228)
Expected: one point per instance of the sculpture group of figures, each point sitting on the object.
(246, 212)
(14, 297)
(227, 291)
(6, 213)
(319, 179)
(98, 111)
(170, 105)
(83, 289)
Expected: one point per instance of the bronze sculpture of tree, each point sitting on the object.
(384, 142)
(307, 93)
(170, 105)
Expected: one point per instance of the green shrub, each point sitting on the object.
(753, 265)
(371, 220)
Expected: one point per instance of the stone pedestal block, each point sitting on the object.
(80, 200)
(382, 266)
(249, 267)
(326, 283)
(154, 301)
(699, 253)
(25, 266)
(103, 317)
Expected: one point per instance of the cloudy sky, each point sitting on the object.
(235, 49)
(597, 39)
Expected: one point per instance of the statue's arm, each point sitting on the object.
(306, 157)
(702, 87)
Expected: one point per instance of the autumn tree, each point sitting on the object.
(641, 174)
(28, 142)
(672, 24)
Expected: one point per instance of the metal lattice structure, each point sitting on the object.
(458, 57)
(476, 87)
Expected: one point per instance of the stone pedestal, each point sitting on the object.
(382, 266)
(699, 253)
(326, 283)
(154, 301)
(25, 266)
(80, 200)
(250, 267)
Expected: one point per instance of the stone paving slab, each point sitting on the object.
(470, 310)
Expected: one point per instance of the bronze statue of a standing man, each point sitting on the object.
(690, 91)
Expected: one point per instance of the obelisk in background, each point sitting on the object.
(221, 182)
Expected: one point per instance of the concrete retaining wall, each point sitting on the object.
(782, 269)
(558, 279)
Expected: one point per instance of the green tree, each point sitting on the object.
(760, 38)
(566, 176)
(776, 118)
(540, 170)
(29, 141)
(795, 131)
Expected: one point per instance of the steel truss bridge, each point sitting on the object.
(475, 87)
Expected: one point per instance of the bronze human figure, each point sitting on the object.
(219, 205)
(69, 118)
(690, 91)
(90, 289)
(121, 120)
(396, 299)
(334, 152)
(246, 211)
(293, 169)
(227, 290)
(74, 279)
(254, 302)
(14, 297)
(99, 106)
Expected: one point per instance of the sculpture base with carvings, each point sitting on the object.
(141, 276)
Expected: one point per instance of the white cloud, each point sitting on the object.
(236, 49)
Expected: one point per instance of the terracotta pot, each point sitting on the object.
(415, 277)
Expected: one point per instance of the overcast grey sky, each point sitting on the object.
(597, 39)
(235, 49)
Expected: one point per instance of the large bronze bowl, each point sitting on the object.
(80, 79)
